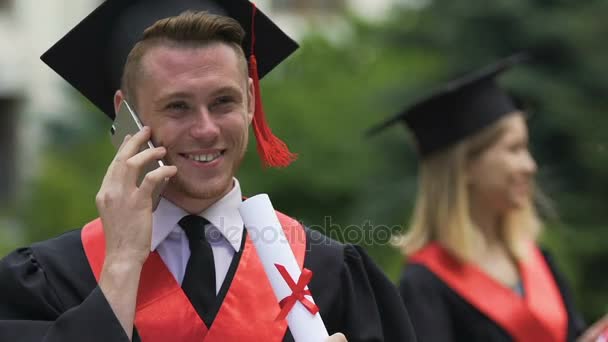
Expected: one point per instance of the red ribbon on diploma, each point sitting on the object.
(297, 292)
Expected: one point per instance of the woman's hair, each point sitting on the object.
(442, 211)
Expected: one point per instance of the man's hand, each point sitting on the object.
(338, 337)
(126, 213)
(124, 208)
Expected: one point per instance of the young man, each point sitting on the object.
(186, 271)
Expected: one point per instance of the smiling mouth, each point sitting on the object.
(204, 157)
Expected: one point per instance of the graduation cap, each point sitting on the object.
(92, 55)
(460, 108)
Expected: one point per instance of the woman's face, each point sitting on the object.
(500, 177)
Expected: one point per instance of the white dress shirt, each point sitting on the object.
(171, 243)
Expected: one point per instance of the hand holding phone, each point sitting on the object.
(126, 123)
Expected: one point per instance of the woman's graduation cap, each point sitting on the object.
(91, 56)
(457, 110)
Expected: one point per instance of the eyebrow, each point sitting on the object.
(174, 95)
(227, 89)
(186, 95)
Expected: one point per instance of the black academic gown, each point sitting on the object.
(438, 313)
(49, 293)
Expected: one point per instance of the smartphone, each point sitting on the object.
(127, 122)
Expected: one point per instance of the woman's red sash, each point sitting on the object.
(539, 316)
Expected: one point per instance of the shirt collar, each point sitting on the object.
(224, 215)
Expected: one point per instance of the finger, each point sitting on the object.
(337, 337)
(129, 147)
(117, 169)
(124, 141)
(110, 168)
(154, 178)
(133, 144)
(112, 173)
(136, 163)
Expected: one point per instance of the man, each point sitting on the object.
(186, 271)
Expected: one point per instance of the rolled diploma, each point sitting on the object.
(273, 248)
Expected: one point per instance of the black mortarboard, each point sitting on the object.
(91, 56)
(457, 110)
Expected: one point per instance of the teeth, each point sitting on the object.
(205, 158)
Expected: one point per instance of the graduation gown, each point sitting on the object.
(49, 293)
(439, 312)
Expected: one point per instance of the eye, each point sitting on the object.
(177, 106)
(224, 100)
(519, 146)
(224, 104)
(514, 147)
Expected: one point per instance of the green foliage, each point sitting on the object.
(324, 97)
(62, 196)
(8, 235)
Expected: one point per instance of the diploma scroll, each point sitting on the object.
(282, 269)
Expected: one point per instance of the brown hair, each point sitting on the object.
(188, 29)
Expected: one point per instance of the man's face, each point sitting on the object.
(198, 101)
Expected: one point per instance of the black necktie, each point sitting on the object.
(199, 279)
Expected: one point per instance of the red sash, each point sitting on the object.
(164, 312)
(539, 316)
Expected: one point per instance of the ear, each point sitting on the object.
(251, 100)
(118, 97)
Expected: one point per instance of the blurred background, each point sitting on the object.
(359, 62)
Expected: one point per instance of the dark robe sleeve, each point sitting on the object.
(429, 314)
(354, 297)
(373, 310)
(32, 309)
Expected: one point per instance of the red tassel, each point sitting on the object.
(272, 150)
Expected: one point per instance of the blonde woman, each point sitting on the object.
(475, 272)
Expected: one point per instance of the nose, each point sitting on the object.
(529, 163)
(204, 126)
